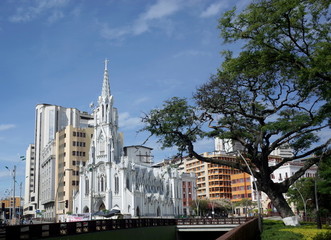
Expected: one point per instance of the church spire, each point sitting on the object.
(105, 85)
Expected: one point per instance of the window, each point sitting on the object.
(74, 134)
(116, 184)
(86, 186)
(102, 183)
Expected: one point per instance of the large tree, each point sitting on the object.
(275, 92)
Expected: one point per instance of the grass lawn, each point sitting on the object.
(275, 230)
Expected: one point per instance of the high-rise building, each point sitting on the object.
(41, 165)
(224, 146)
(72, 152)
(30, 200)
(213, 180)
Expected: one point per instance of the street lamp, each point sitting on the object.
(13, 216)
(57, 193)
(257, 195)
(305, 205)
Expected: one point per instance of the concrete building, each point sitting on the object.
(7, 205)
(41, 165)
(224, 146)
(189, 192)
(72, 151)
(213, 180)
(30, 202)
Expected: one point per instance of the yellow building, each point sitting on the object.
(72, 151)
(9, 202)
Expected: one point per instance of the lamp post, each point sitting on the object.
(303, 200)
(57, 194)
(257, 195)
(13, 215)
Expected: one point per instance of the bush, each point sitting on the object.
(323, 236)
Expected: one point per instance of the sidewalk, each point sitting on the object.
(273, 218)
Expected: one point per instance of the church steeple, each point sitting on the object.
(105, 93)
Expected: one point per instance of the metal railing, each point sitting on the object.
(313, 219)
(248, 231)
(212, 221)
(47, 230)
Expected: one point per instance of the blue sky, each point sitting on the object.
(52, 51)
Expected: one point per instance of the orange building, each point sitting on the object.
(213, 180)
(9, 202)
(241, 186)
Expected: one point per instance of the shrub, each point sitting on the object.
(323, 236)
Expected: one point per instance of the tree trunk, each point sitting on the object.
(280, 204)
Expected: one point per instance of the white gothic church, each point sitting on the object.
(123, 178)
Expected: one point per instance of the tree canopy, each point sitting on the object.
(274, 92)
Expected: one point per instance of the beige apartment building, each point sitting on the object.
(72, 151)
(213, 180)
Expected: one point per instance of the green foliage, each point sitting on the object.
(323, 236)
(275, 230)
(305, 186)
(275, 92)
(175, 124)
(325, 176)
(292, 36)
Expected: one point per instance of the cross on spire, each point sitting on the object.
(106, 64)
(105, 85)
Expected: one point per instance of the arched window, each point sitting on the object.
(117, 187)
(102, 184)
(128, 183)
(86, 186)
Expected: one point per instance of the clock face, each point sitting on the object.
(102, 168)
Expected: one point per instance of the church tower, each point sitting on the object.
(106, 149)
(107, 143)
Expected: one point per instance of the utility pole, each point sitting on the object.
(257, 195)
(19, 211)
(14, 208)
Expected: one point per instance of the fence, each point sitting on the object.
(246, 231)
(36, 231)
(212, 221)
(47, 230)
(313, 219)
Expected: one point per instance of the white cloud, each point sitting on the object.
(141, 100)
(128, 122)
(56, 15)
(213, 9)
(191, 53)
(156, 12)
(4, 127)
(26, 13)
(114, 33)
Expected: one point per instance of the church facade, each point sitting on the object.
(124, 178)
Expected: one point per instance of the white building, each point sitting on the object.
(117, 177)
(223, 145)
(40, 160)
(30, 200)
(279, 175)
